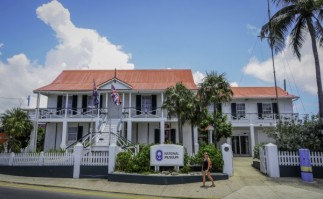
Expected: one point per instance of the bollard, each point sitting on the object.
(305, 164)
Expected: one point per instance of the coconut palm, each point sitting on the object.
(18, 127)
(213, 90)
(293, 21)
(177, 102)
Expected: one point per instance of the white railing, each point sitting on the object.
(317, 159)
(26, 159)
(288, 158)
(95, 158)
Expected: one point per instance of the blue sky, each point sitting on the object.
(144, 34)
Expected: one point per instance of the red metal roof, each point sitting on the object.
(260, 92)
(82, 80)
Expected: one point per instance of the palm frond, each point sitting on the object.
(284, 2)
(319, 32)
(297, 35)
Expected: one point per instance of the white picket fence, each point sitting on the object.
(95, 158)
(53, 159)
(291, 158)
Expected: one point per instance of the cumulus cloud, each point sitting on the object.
(198, 77)
(234, 84)
(253, 30)
(77, 48)
(287, 66)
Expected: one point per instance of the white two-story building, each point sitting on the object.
(73, 115)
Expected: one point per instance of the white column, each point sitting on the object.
(210, 137)
(113, 152)
(123, 102)
(33, 144)
(252, 138)
(98, 106)
(227, 157)
(129, 130)
(162, 132)
(66, 104)
(106, 101)
(196, 143)
(64, 133)
(129, 105)
(162, 101)
(272, 160)
(78, 153)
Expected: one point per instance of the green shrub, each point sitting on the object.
(214, 154)
(124, 161)
(256, 150)
(185, 168)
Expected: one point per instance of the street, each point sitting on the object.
(22, 191)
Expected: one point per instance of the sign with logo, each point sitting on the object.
(166, 155)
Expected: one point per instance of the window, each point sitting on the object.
(241, 111)
(267, 110)
(72, 134)
(69, 103)
(146, 103)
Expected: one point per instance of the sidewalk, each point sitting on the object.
(246, 183)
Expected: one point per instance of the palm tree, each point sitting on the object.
(177, 102)
(294, 19)
(18, 127)
(213, 90)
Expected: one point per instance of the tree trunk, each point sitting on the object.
(192, 130)
(214, 118)
(317, 68)
(179, 129)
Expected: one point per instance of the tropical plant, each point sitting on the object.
(178, 102)
(18, 127)
(213, 90)
(293, 20)
(296, 134)
(40, 139)
(256, 150)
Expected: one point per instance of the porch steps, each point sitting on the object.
(104, 139)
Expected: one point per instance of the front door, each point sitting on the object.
(240, 145)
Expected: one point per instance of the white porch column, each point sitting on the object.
(129, 130)
(66, 104)
(64, 135)
(162, 101)
(98, 106)
(33, 143)
(229, 141)
(162, 132)
(210, 137)
(123, 102)
(129, 105)
(252, 138)
(196, 143)
(106, 101)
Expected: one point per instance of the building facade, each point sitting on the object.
(83, 103)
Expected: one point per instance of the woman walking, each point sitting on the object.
(206, 166)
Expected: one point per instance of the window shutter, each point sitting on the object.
(138, 104)
(84, 103)
(234, 111)
(259, 105)
(74, 104)
(59, 104)
(101, 101)
(275, 110)
(79, 132)
(157, 136)
(154, 104)
(219, 107)
(173, 135)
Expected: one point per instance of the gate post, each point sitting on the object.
(113, 152)
(78, 154)
(227, 157)
(272, 160)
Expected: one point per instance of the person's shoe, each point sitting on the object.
(213, 185)
(203, 186)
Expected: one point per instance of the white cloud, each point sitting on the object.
(198, 77)
(287, 66)
(234, 84)
(77, 48)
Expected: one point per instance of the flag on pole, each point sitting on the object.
(95, 96)
(115, 96)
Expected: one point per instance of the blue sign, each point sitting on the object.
(159, 155)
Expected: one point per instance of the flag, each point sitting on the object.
(95, 96)
(115, 96)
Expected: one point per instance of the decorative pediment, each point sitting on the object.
(118, 84)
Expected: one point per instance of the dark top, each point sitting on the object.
(205, 165)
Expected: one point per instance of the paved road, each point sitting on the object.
(18, 191)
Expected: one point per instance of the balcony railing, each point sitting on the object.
(258, 118)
